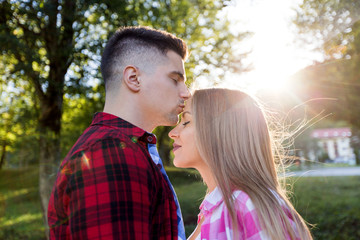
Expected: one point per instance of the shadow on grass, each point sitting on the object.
(20, 210)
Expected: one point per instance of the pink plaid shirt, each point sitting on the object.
(217, 222)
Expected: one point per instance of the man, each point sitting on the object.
(112, 184)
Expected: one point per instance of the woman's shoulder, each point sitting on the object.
(242, 201)
(214, 202)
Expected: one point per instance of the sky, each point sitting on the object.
(275, 53)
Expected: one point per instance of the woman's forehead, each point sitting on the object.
(188, 105)
(185, 113)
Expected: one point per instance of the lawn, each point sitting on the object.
(20, 209)
(331, 203)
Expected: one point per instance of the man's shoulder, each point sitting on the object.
(106, 148)
(94, 135)
(99, 142)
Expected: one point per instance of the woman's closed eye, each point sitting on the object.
(186, 123)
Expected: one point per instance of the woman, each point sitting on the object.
(224, 135)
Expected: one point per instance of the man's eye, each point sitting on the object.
(186, 123)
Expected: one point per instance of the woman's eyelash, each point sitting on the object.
(185, 123)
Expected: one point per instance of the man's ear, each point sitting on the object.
(131, 78)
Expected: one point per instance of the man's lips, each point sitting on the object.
(176, 147)
(181, 108)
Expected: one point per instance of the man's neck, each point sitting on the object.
(129, 112)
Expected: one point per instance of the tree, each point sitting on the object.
(17, 117)
(333, 28)
(6, 135)
(55, 46)
(18, 137)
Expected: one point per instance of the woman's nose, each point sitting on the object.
(173, 133)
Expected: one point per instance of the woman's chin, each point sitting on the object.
(179, 164)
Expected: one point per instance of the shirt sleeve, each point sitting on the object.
(110, 192)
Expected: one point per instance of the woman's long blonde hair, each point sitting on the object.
(233, 138)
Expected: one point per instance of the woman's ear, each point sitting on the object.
(131, 78)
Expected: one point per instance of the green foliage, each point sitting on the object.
(190, 191)
(333, 27)
(190, 197)
(323, 157)
(18, 124)
(180, 176)
(52, 51)
(77, 116)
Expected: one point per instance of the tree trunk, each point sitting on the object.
(357, 156)
(50, 152)
(3, 154)
(49, 159)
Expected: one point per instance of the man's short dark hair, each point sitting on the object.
(130, 45)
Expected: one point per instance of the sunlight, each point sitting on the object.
(28, 217)
(275, 56)
(271, 80)
(85, 164)
(16, 193)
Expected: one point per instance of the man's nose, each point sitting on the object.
(185, 93)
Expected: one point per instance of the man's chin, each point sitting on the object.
(172, 120)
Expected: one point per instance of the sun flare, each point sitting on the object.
(274, 52)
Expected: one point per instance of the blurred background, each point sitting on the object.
(301, 58)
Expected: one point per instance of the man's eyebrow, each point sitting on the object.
(183, 113)
(179, 74)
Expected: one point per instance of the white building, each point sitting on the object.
(335, 142)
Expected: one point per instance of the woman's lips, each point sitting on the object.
(176, 147)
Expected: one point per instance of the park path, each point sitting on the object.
(323, 172)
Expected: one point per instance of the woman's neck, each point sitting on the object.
(208, 178)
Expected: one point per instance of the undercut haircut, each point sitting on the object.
(139, 46)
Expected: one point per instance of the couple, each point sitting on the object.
(112, 184)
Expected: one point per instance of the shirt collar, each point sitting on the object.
(109, 120)
(211, 201)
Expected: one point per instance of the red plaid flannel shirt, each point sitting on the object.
(108, 187)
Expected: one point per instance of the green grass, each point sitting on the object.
(331, 203)
(20, 209)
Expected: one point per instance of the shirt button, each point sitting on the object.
(150, 138)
